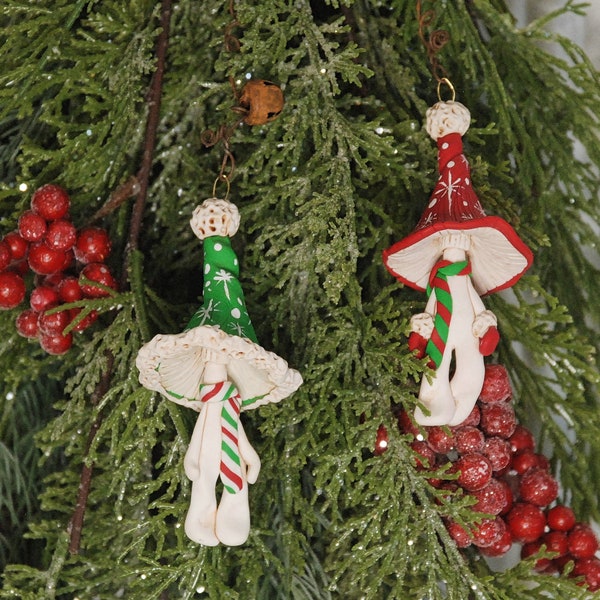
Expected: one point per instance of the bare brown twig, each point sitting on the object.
(136, 185)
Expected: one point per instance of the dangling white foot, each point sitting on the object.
(201, 517)
(233, 518)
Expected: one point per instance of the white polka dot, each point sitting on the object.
(206, 269)
(207, 284)
(467, 180)
(236, 313)
(239, 301)
(235, 261)
(432, 203)
(451, 164)
(445, 146)
(218, 247)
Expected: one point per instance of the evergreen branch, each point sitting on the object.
(141, 182)
(153, 100)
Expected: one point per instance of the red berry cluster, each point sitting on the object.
(64, 261)
(496, 463)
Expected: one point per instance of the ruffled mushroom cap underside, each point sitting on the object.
(173, 365)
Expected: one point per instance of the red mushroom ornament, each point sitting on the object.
(456, 254)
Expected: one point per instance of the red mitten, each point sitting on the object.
(489, 341)
(416, 342)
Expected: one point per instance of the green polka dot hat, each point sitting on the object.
(220, 330)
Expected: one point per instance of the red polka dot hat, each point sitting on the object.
(497, 255)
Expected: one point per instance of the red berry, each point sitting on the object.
(521, 439)
(12, 289)
(561, 518)
(498, 419)
(469, 439)
(542, 565)
(473, 418)
(582, 541)
(508, 497)
(425, 455)
(496, 385)
(43, 297)
(538, 487)
(381, 441)
(44, 260)
(92, 316)
(488, 532)
(99, 273)
(501, 546)
(51, 202)
(92, 245)
(56, 344)
(459, 534)
(27, 324)
(406, 424)
(556, 541)
(440, 439)
(475, 471)
(491, 499)
(590, 569)
(498, 452)
(61, 235)
(69, 290)
(526, 522)
(54, 323)
(32, 226)
(18, 246)
(5, 255)
(52, 280)
(527, 460)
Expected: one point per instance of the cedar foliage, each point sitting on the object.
(339, 176)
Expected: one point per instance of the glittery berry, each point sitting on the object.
(491, 499)
(27, 324)
(556, 541)
(61, 235)
(51, 202)
(501, 546)
(5, 255)
(496, 385)
(521, 439)
(526, 460)
(98, 273)
(561, 518)
(590, 569)
(488, 532)
(18, 246)
(92, 316)
(56, 344)
(497, 452)
(473, 418)
(498, 419)
(45, 260)
(526, 522)
(69, 290)
(440, 439)
(469, 439)
(32, 227)
(582, 541)
(475, 471)
(538, 487)
(406, 424)
(43, 297)
(12, 289)
(54, 323)
(381, 440)
(459, 534)
(425, 456)
(92, 245)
